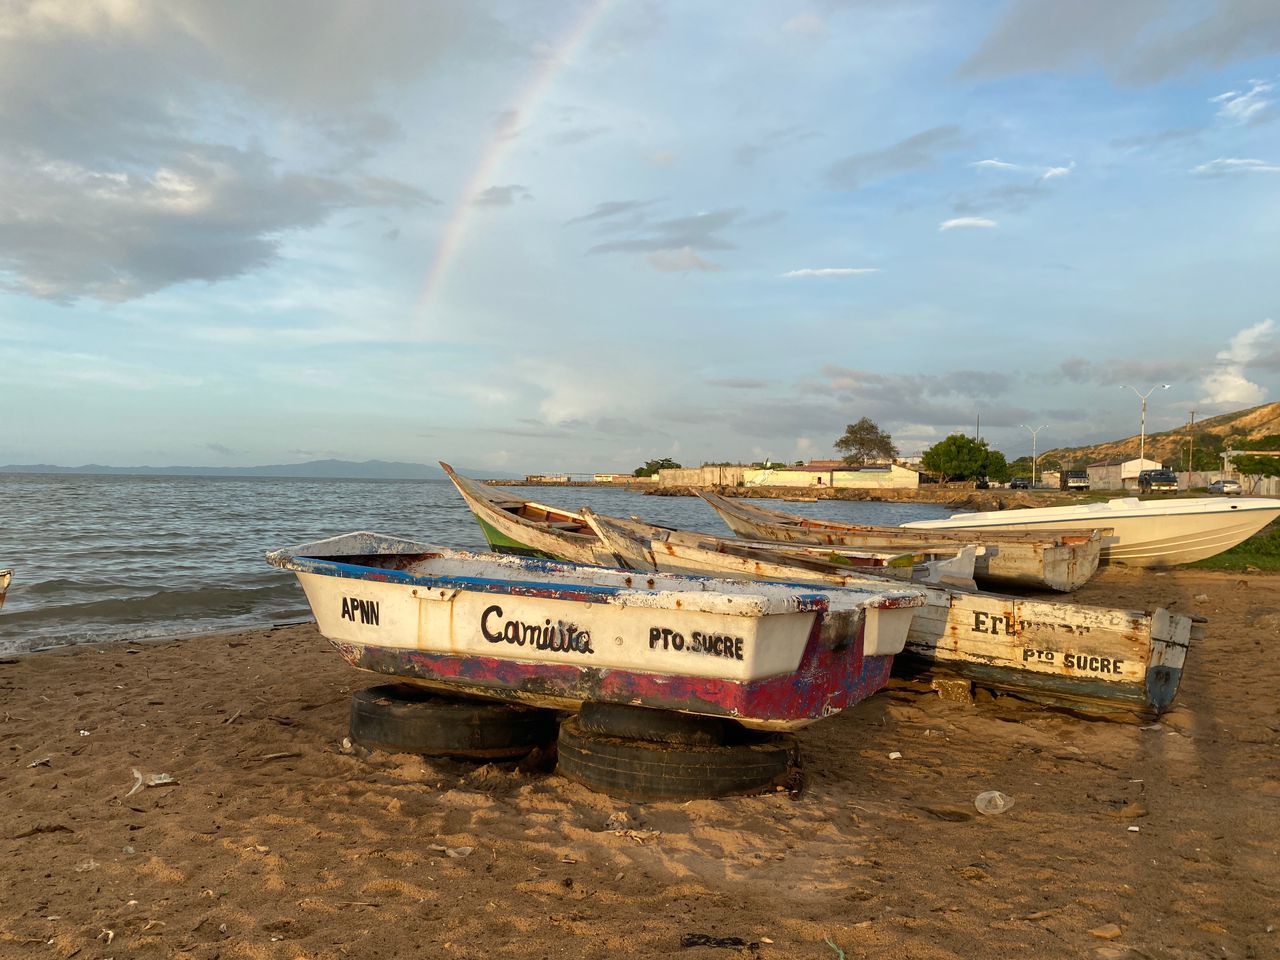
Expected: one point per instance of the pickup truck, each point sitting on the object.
(1075, 480)
(1157, 481)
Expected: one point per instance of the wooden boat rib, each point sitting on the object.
(1086, 657)
(524, 528)
(770, 656)
(6, 577)
(1061, 560)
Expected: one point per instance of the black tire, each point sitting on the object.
(406, 719)
(657, 726)
(643, 771)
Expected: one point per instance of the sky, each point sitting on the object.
(579, 236)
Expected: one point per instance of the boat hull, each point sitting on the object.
(1092, 658)
(6, 577)
(555, 635)
(1061, 563)
(1160, 533)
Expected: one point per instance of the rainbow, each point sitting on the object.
(533, 92)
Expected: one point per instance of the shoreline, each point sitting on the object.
(274, 843)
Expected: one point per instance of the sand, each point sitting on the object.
(275, 844)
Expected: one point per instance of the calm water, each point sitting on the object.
(106, 558)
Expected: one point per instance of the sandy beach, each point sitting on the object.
(1125, 839)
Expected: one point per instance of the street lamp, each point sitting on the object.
(1033, 449)
(1142, 442)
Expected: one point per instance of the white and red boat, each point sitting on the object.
(771, 656)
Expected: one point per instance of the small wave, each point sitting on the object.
(164, 605)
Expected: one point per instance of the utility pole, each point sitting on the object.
(1142, 442)
(1191, 449)
(1034, 433)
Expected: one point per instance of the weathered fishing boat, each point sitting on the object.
(770, 656)
(1056, 560)
(6, 577)
(1091, 658)
(682, 551)
(523, 528)
(1145, 533)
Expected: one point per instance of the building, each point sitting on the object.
(828, 473)
(1119, 474)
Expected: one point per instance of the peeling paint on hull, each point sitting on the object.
(552, 634)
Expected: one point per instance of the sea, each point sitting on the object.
(114, 558)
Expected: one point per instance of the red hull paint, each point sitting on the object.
(826, 682)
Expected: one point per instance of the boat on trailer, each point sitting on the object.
(1145, 533)
(521, 527)
(525, 630)
(1094, 659)
(1060, 559)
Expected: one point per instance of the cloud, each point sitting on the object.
(139, 146)
(1045, 173)
(1109, 373)
(1227, 383)
(1137, 41)
(1237, 107)
(612, 208)
(502, 196)
(994, 164)
(748, 153)
(831, 271)
(698, 232)
(808, 25)
(739, 383)
(208, 213)
(1160, 138)
(576, 135)
(1229, 166)
(956, 223)
(679, 261)
(222, 449)
(918, 152)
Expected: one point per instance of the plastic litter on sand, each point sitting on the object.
(992, 801)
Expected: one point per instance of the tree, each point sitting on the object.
(1256, 466)
(961, 458)
(863, 441)
(997, 467)
(653, 466)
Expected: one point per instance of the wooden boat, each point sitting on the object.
(6, 577)
(525, 528)
(765, 558)
(771, 656)
(1091, 658)
(1059, 560)
(1145, 533)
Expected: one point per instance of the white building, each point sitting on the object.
(1119, 474)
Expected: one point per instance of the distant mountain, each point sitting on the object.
(312, 469)
(1170, 446)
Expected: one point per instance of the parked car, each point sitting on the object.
(1157, 481)
(1226, 486)
(1019, 483)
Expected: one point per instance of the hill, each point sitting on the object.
(1171, 446)
(311, 469)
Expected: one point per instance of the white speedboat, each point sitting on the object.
(1145, 533)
